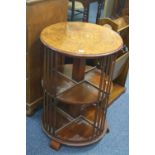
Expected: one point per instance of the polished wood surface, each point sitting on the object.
(39, 14)
(81, 39)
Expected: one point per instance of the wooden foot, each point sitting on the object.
(55, 145)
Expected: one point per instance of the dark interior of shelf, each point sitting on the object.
(61, 120)
(73, 110)
(93, 77)
(83, 93)
(61, 82)
(67, 69)
(64, 116)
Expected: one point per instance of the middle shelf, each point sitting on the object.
(85, 92)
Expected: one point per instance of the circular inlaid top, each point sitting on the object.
(81, 39)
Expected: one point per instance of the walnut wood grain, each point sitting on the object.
(81, 39)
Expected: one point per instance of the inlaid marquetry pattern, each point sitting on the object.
(81, 39)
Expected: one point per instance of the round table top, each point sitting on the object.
(81, 39)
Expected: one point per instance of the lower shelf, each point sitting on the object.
(79, 131)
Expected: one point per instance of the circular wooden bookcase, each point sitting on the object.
(76, 95)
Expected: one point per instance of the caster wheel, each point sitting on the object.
(108, 130)
(55, 145)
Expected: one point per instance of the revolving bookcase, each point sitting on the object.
(76, 96)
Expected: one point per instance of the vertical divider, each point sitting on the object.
(44, 85)
(55, 65)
